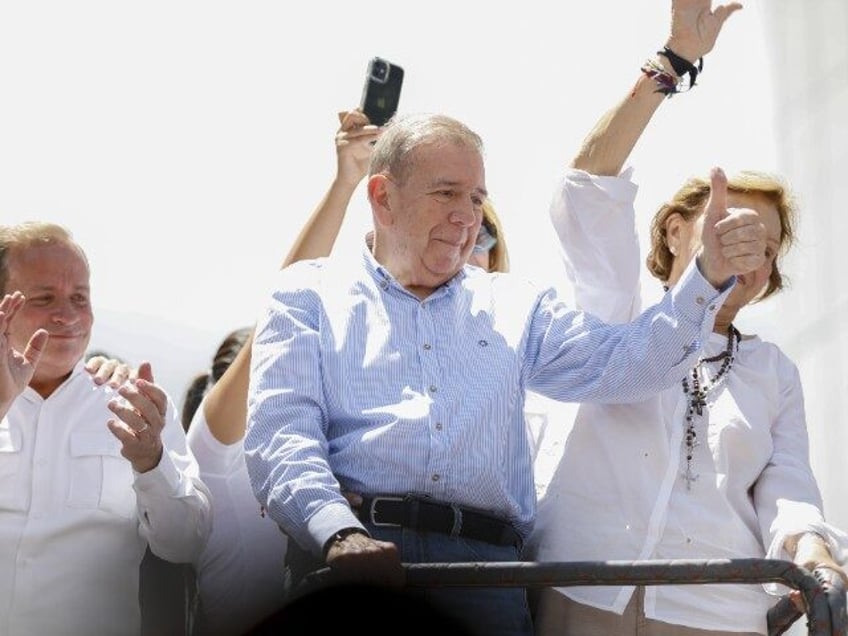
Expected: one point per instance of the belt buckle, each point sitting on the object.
(372, 511)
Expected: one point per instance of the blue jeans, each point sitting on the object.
(481, 611)
(484, 610)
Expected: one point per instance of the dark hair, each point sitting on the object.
(224, 356)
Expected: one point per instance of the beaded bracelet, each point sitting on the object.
(666, 83)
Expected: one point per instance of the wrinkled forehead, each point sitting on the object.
(447, 162)
(60, 260)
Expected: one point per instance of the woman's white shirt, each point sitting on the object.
(241, 571)
(617, 490)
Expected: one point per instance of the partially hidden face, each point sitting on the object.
(750, 284)
(55, 280)
(437, 211)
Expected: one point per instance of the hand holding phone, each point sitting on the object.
(381, 93)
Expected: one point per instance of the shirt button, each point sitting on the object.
(384, 285)
(438, 426)
(700, 300)
(688, 539)
(426, 346)
(435, 478)
(711, 307)
(433, 388)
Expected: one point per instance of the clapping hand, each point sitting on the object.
(141, 418)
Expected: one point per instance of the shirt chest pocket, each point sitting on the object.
(101, 478)
(13, 494)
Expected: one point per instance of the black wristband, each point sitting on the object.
(683, 66)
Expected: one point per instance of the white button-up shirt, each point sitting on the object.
(616, 489)
(75, 518)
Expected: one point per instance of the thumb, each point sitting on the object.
(35, 346)
(716, 208)
(145, 371)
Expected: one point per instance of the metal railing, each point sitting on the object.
(825, 605)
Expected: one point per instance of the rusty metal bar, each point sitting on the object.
(657, 572)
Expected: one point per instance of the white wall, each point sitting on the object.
(808, 61)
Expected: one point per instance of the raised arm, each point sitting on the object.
(225, 406)
(694, 29)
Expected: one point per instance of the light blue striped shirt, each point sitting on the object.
(356, 382)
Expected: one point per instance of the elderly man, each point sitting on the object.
(398, 382)
(83, 492)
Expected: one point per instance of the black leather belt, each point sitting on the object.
(421, 513)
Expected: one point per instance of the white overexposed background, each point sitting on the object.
(185, 143)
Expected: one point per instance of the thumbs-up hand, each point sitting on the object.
(732, 241)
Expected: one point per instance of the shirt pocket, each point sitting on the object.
(13, 494)
(101, 478)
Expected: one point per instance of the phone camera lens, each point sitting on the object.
(379, 70)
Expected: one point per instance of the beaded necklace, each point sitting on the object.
(697, 396)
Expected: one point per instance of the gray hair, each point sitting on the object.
(393, 152)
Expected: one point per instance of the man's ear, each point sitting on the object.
(379, 194)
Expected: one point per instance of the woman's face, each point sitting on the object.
(684, 238)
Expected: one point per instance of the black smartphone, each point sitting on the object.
(381, 93)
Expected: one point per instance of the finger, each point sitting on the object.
(120, 374)
(124, 433)
(94, 363)
(353, 119)
(35, 346)
(10, 306)
(101, 368)
(724, 11)
(130, 416)
(155, 396)
(145, 371)
(367, 130)
(797, 600)
(150, 410)
(717, 203)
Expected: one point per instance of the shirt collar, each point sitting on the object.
(384, 279)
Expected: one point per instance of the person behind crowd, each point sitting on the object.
(714, 467)
(226, 352)
(241, 571)
(363, 377)
(92, 475)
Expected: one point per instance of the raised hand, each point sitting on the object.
(16, 367)
(141, 415)
(732, 241)
(695, 26)
(354, 143)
